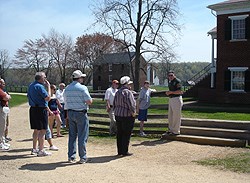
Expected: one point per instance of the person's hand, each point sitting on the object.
(108, 109)
(46, 82)
(168, 92)
(133, 114)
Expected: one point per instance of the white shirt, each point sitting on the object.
(110, 95)
(59, 95)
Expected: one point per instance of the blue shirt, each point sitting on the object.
(37, 94)
(75, 96)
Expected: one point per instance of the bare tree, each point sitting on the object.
(59, 48)
(143, 25)
(33, 55)
(4, 62)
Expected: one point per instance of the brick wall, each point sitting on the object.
(230, 54)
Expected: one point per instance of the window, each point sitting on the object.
(110, 67)
(238, 29)
(237, 78)
(237, 26)
(110, 78)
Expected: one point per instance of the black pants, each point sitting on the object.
(124, 129)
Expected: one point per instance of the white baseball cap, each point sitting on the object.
(125, 79)
(78, 74)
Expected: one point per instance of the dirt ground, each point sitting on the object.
(152, 161)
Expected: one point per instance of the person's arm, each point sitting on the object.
(47, 83)
(59, 104)
(6, 97)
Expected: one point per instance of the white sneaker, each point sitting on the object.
(3, 147)
(43, 153)
(53, 148)
(34, 151)
(142, 134)
(6, 144)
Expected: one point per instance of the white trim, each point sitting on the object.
(223, 12)
(110, 67)
(110, 78)
(238, 17)
(237, 68)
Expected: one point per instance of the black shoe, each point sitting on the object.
(173, 134)
(128, 154)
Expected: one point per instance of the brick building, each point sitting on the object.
(229, 78)
(112, 66)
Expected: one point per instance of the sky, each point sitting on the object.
(22, 20)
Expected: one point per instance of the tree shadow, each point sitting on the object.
(152, 143)
(45, 167)
(104, 159)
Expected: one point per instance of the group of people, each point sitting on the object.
(73, 102)
(122, 108)
(49, 107)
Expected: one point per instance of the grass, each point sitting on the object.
(17, 99)
(237, 163)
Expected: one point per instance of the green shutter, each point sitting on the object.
(247, 27)
(228, 29)
(227, 81)
(247, 81)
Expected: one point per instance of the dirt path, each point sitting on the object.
(152, 161)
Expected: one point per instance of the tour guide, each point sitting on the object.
(175, 104)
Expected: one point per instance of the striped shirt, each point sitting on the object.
(75, 96)
(124, 103)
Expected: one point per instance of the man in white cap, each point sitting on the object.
(77, 100)
(124, 108)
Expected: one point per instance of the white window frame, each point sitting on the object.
(110, 78)
(110, 67)
(233, 19)
(235, 69)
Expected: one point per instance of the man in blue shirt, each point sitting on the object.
(38, 101)
(77, 99)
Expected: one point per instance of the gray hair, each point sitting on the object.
(39, 75)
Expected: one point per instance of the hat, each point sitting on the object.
(115, 81)
(125, 79)
(78, 74)
(146, 82)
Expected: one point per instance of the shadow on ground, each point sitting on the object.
(45, 167)
(151, 143)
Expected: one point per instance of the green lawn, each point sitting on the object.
(236, 163)
(17, 99)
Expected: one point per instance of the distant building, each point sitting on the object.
(112, 66)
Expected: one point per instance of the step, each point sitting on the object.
(207, 140)
(225, 124)
(216, 132)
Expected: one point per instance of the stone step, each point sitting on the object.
(207, 140)
(225, 124)
(216, 132)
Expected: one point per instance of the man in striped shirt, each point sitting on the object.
(124, 109)
(77, 99)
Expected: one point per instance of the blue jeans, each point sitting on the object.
(78, 128)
